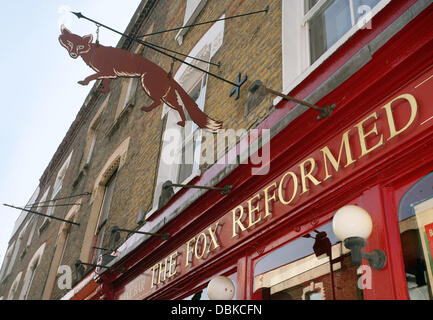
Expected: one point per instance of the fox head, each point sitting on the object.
(75, 44)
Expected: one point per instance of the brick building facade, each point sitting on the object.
(112, 158)
(115, 119)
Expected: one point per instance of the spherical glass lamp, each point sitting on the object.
(221, 288)
(353, 226)
(352, 221)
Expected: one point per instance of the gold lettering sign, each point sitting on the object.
(284, 191)
(327, 155)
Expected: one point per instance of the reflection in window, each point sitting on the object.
(301, 270)
(333, 20)
(314, 296)
(189, 156)
(416, 234)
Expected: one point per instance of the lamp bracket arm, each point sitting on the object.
(376, 258)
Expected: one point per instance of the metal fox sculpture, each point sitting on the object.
(110, 63)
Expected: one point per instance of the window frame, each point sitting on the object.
(127, 95)
(6, 261)
(194, 134)
(14, 287)
(208, 45)
(31, 272)
(103, 217)
(192, 9)
(58, 184)
(16, 249)
(35, 218)
(296, 62)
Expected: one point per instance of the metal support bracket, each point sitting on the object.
(325, 111)
(115, 233)
(78, 263)
(237, 89)
(224, 190)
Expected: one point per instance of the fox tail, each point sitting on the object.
(198, 116)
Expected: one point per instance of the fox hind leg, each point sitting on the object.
(105, 85)
(172, 101)
(156, 100)
(154, 105)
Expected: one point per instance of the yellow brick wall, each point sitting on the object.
(252, 45)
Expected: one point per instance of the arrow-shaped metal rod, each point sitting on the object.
(206, 22)
(185, 55)
(41, 214)
(78, 14)
(151, 46)
(68, 197)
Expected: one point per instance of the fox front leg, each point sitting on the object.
(92, 77)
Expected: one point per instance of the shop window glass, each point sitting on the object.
(332, 21)
(416, 233)
(301, 270)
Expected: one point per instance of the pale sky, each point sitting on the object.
(40, 97)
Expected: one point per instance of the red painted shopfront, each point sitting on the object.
(375, 151)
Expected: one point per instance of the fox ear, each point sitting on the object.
(64, 29)
(88, 38)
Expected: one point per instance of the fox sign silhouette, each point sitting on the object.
(110, 63)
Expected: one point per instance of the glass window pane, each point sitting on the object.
(301, 270)
(361, 7)
(187, 165)
(416, 235)
(328, 26)
(92, 146)
(103, 215)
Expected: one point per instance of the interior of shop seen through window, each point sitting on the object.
(415, 217)
(315, 266)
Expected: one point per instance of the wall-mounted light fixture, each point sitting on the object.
(353, 226)
(220, 288)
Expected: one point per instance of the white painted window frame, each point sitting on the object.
(56, 189)
(31, 271)
(192, 10)
(23, 215)
(214, 38)
(14, 287)
(91, 133)
(17, 248)
(6, 260)
(295, 40)
(34, 219)
(61, 176)
(132, 81)
(92, 146)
